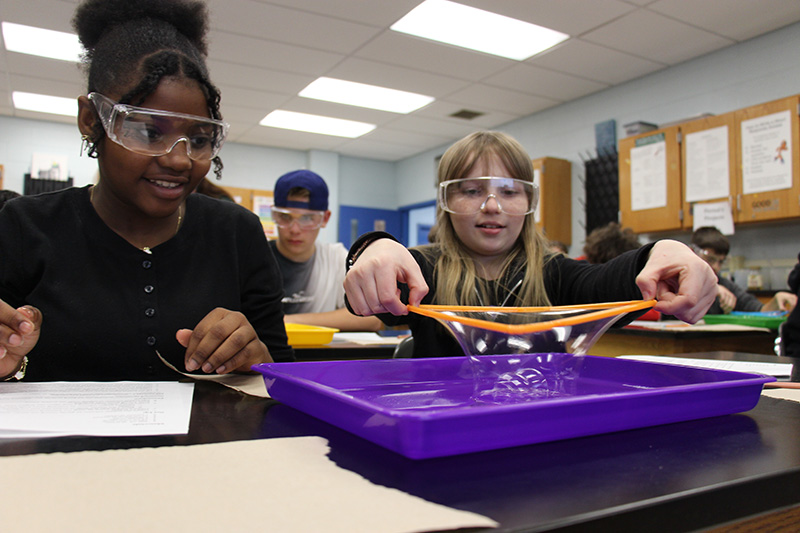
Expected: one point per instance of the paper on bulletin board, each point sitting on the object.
(707, 165)
(262, 207)
(649, 175)
(767, 153)
(717, 214)
(537, 180)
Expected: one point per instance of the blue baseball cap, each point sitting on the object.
(304, 179)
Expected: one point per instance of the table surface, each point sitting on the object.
(675, 477)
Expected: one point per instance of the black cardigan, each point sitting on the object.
(107, 306)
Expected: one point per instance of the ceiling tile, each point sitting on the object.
(595, 62)
(512, 102)
(656, 37)
(364, 11)
(735, 19)
(225, 46)
(421, 54)
(286, 25)
(544, 82)
(572, 17)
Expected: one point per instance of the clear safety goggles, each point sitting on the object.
(469, 196)
(710, 257)
(306, 220)
(155, 133)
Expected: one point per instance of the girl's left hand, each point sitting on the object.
(684, 285)
(224, 341)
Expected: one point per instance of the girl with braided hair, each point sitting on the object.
(96, 281)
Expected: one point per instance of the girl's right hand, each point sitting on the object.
(19, 333)
(371, 283)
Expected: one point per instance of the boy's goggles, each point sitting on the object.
(469, 196)
(306, 220)
(155, 133)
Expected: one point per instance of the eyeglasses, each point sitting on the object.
(710, 257)
(306, 221)
(469, 196)
(155, 133)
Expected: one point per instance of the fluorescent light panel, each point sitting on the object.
(41, 42)
(290, 120)
(476, 29)
(43, 103)
(363, 95)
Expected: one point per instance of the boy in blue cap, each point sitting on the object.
(313, 273)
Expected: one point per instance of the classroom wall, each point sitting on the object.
(752, 72)
(359, 181)
(756, 71)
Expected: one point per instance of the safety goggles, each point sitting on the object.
(710, 257)
(470, 196)
(155, 133)
(306, 221)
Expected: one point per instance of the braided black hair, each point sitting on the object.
(138, 43)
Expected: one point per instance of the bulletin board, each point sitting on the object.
(650, 181)
(769, 160)
(259, 202)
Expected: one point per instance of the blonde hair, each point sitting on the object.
(455, 274)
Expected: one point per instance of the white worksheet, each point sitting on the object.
(123, 408)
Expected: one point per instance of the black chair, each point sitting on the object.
(404, 348)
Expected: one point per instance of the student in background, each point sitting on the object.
(710, 244)
(95, 280)
(489, 252)
(790, 330)
(313, 272)
(607, 242)
(558, 247)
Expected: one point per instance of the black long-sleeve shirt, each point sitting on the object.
(567, 282)
(108, 306)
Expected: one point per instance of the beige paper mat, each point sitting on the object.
(276, 485)
(252, 384)
(783, 394)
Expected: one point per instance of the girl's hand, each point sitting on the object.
(684, 285)
(223, 342)
(19, 333)
(371, 283)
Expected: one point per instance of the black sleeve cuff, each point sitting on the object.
(361, 244)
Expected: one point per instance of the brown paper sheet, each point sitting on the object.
(252, 384)
(277, 485)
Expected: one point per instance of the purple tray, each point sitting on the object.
(423, 408)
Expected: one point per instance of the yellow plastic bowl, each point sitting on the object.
(303, 335)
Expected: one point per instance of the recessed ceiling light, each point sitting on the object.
(41, 42)
(363, 95)
(290, 120)
(476, 29)
(43, 103)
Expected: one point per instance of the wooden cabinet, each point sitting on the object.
(709, 158)
(554, 212)
(769, 169)
(650, 181)
(749, 158)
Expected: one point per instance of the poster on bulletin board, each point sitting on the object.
(261, 207)
(766, 153)
(649, 173)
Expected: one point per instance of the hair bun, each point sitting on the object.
(93, 18)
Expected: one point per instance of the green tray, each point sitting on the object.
(755, 320)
